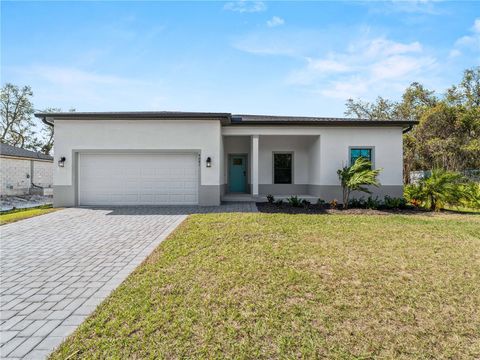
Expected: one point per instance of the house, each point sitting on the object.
(23, 171)
(167, 158)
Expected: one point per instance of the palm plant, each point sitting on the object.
(356, 177)
(440, 188)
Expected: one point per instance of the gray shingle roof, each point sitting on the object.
(226, 118)
(9, 150)
(309, 120)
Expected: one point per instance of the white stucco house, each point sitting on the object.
(172, 158)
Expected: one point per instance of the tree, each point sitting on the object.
(17, 125)
(448, 133)
(355, 177)
(439, 189)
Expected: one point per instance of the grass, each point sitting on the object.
(276, 286)
(20, 214)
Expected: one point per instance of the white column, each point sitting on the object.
(254, 164)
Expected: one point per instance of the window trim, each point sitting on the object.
(292, 170)
(371, 148)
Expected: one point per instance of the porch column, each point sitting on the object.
(254, 164)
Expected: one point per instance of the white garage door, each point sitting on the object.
(138, 179)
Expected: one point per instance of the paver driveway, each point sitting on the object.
(56, 268)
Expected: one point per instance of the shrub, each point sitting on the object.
(356, 177)
(394, 203)
(357, 203)
(334, 204)
(279, 202)
(434, 192)
(471, 195)
(270, 199)
(372, 203)
(321, 202)
(294, 201)
(305, 203)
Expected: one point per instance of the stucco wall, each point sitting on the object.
(15, 175)
(320, 151)
(202, 136)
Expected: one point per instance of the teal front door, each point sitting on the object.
(237, 174)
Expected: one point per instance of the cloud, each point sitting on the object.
(466, 43)
(245, 6)
(71, 87)
(423, 7)
(275, 21)
(377, 63)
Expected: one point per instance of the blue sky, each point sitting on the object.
(291, 58)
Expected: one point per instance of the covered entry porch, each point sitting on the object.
(255, 166)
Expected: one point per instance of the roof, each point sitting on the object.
(308, 120)
(9, 150)
(225, 118)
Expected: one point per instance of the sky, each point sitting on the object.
(243, 57)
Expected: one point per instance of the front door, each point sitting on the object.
(237, 174)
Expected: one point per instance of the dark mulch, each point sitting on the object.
(319, 209)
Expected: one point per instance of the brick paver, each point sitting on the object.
(57, 268)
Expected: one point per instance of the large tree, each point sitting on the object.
(17, 126)
(448, 133)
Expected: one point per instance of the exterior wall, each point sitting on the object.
(74, 136)
(318, 156)
(16, 175)
(42, 173)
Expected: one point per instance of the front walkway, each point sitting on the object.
(56, 268)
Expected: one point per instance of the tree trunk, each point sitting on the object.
(346, 195)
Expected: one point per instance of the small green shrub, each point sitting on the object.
(294, 201)
(357, 203)
(471, 195)
(305, 203)
(279, 202)
(321, 202)
(270, 199)
(439, 189)
(372, 203)
(394, 203)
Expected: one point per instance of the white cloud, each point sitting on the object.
(471, 41)
(454, 53)
(476, 26)
(377, 63)
(245, 6)
(275, 21)
(71, 87)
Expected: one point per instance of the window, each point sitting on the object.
(237, 161)
(355, 153)
(282, 168)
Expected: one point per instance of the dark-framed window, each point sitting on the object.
(356, 153)
(282, 168)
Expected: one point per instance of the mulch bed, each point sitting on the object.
(319, 209)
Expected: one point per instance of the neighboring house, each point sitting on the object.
(166, 158)
(23, 171)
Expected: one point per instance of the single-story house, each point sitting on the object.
(23, 171)
(185, 158)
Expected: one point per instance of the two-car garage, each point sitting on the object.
(137, 178)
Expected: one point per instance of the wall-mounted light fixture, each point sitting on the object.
(209, 161)
(61, 161)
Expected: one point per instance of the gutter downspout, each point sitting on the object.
(410, 127)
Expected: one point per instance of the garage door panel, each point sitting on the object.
(138, 179)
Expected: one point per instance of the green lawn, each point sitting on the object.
(20, 214)
(251, 286)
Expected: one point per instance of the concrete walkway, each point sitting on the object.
(56, 268)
